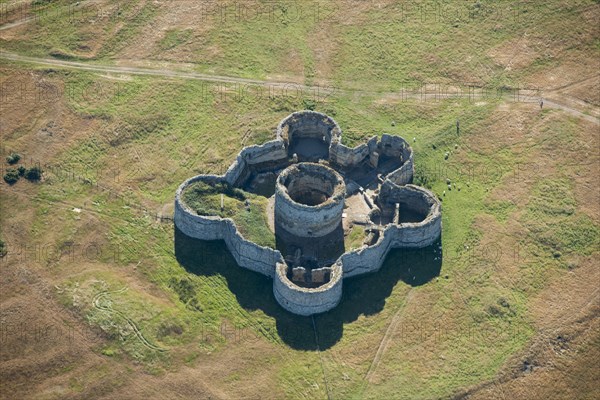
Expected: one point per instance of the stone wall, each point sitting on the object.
(416, 197)
(307, 301)
(314, 124)
(404, 174)
(267, 152)
(238, 172)
(390, 146)
(270, 152)
(347, 157)
(397, 147)
(405, 235)
(304, 220)
(246, 253)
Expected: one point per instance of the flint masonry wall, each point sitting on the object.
(246, 253)
(405, 235)
(304, 220)
(305, 301)
(273, 151)
(308, 124)
(308, 301)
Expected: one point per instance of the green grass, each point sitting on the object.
(555, 227)
(500, 209)
(158, 132)
(251, 221)
(124, 308)
(355, 238)
(386, 48)
(257, 47)
(174, 38)
(68, 31)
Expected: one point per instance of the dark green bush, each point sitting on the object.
(186, 291)
(13, 158)
(21, 170)
(421, 179)
(11, 176)
(33, 174)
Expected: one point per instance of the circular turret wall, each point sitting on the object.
(308, 124)
(309, 200)
(308, 134)
(305, 301)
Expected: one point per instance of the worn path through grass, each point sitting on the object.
(557, 99)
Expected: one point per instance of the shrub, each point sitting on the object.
(11, 177)
(33, 174)
(21, 170)
(13, 158)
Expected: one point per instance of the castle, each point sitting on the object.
(319, 190)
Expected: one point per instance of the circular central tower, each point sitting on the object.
(309, 200)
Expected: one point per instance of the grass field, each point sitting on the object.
(100, 297)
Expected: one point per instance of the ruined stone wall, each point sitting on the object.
(307, 301)
(270, 151)
(302, 301)
(406, 235)
(390, 146)
(370, 259)
(313, 124)
(367, 259)
(237, 172)
(273, 151)
(397, 147)
(193, 225)
(249, 255)
(404, 174)
(246, 253)
(347, 157)
(309, 221)
(416, 197)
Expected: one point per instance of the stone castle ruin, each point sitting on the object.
(319, 192)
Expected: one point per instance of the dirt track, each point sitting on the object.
(552, 98)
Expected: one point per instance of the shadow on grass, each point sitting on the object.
(363, 295)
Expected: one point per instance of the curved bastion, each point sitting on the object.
(321, 190)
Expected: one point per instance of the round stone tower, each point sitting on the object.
(309, 200)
